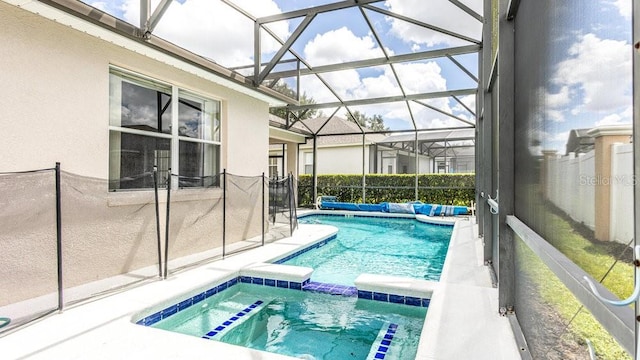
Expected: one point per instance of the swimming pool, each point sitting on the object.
(375, 245)
(299, 323)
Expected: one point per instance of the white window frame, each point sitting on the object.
(308, 156)
(177, 92)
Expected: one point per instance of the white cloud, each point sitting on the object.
(558, 99)
(601, 69)
(623, 117)
(560, 137)
(459, 111)
(421, 77)
(113, 7)
(340, 45)
(100, 5)
(216, 31)
(624, 7)
(213, 29)
(554, 115)
(469, 101)
(555, 103)
(612, 119)
(416, 78)
(440, 13)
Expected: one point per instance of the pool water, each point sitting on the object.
(374, 245)
(303, 324)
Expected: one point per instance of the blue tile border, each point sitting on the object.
(385, 342)
(302, 251)
(332, 289)
(232, 319)
(185, 304)
(307, 285)
(394, 298)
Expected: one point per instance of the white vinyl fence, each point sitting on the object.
(572, 182)
(622, 181)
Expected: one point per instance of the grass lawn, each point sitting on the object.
(596, 258)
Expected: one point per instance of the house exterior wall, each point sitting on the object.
(337, 159)
(424, 164)
(54, 107)
(348, 160)
(56, 92)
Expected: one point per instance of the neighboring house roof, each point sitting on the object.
(329, 130)
(338, 125)
(579, 141)
(434, 136)
(281, 123)
(458, 142)
(453, 142)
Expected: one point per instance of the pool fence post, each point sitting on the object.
(59, 237)
(274, 205)
(294, 200)
(224, 211)
(314, 170)
(157, 205)
(166, 232)
(415, 148)
(263, 218)
(290, 192)
(364, 160)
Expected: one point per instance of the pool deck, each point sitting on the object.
(462, 320)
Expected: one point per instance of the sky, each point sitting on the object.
(218, 32)
(590, 83)
(578, 94)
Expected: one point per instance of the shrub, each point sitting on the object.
(448, 189)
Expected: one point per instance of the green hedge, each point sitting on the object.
(449, 189)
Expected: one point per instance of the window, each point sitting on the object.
(273, 166)
(308, 163)
(147, 129)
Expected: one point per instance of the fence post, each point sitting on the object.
(289, 190)
(224, 211)
(59, 238)
(155, 191)
(166, 232)
(262, 208)
(293, 202)
(605, 136)
(274, 205)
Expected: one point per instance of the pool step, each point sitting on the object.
(382, 347)
(236, 320)
(333, 289)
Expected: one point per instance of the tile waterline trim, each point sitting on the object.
(227, 323)
(306, 285)
(319, 244)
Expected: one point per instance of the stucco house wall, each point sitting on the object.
(54, 107)
(345, 159)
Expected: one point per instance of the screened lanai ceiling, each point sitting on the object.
(411, 63)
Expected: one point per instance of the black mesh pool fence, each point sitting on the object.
(68, 238)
